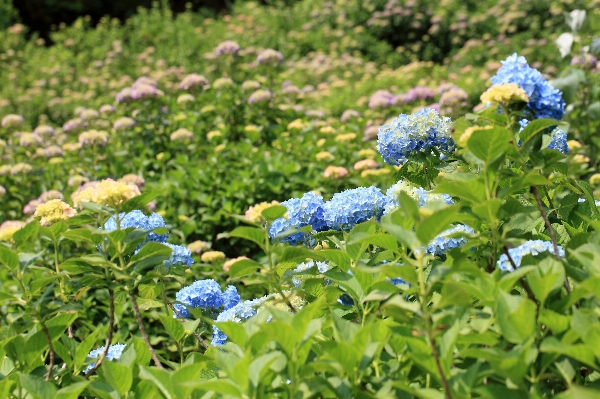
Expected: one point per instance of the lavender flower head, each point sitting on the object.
(381, 99)
(193, 81)
(419, 93)
(12, 120)
(74, 124)
(269, 57)
(544, 100)
(454, 97)
(44, 131)
(587, 61)
(124, 95)
(142, 91)
(419, 132)
(305, 211)
(228, 47)
(348, 115)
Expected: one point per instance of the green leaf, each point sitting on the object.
(243, 267)
(72, 391)
(515, 317)
(84, 348)
(405, 237)
(79, 235)
(470, 190)
(160, 378)
(338, 257)
(96, 208)
(532, 132)
(593, 111)
(489, 145)
(54, 232)
(274, 212)
(139, 202)
(173, 327)
(356, 250)
(37, 387)
(8, 258)
(27, 233)
(149, 291)
(433, 225)
(488, 210)
(579, 392)
(381, 240)
(146, 304)
(248, 233)
(116, 375)
(549, 275)
(152, 254)
(350, 283)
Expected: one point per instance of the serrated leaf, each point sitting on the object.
(173, 327)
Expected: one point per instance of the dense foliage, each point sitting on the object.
(303, 204)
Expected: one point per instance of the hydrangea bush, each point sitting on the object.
(206, 245)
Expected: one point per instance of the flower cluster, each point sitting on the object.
(260, 96)
(12, 120)
(54, 211)
(351, 207)
(419, 194)
(205, 294)
(504, 94)
(447, 240)
(93, 138)
(269, 57)
(254, 213)
(228, 47)
(227, 265)
(381, 99)
(138, 220)
(105, 192)
(247, 309)
(531, 247)
(179, 256)
(8, 228)
(544, 100)
(335, 172)
(420, 132)
(181, 134)
(192, 81)
(114, 353)
(558, 140)
(305, 211)
(212, 257)
(198, 247)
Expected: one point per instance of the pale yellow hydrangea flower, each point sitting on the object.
(324, 156)
(254, 213)
(212, 257)
(10, 227)
(504, 94)
(367, 153)
(54, 211)
(106, 192)
(198, 246)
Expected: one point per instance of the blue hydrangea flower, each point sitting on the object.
(443, 242)
(544, 100)
(419, 194)
(531, 247)
(321, 266)
(305, 211)
(205, 294)
(230, 297)
(180, 256)
(419, 132)
(114, 353)
(242, 311)
(351, 207)
(558, 141)
(138, 220)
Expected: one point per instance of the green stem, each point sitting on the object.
(111, 322)
(138, 315)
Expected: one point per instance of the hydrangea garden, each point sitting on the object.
(340, 199)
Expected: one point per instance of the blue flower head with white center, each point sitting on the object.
(419, 194)
(305, 211)
(544, 100)
(114, 353)
(444, 241)
(180, 256)
(421, 132)
(351, 207)
(531, 247)
(558, 141)
(205, 294)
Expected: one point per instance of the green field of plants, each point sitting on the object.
(316, 199)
